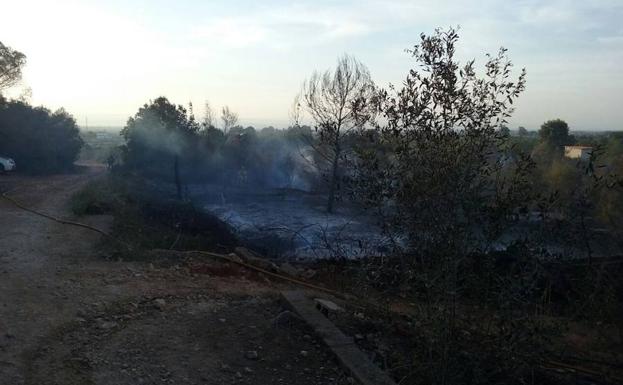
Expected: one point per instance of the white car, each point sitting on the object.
(6, 164)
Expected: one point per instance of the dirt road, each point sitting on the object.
(70, 315)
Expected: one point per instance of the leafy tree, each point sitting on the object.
(441, 130)
(40, 141)
(338, 103)
(11, 64)
(521, 131)
(614, 146)
(556, 134)
(443, 191)
(158, 134)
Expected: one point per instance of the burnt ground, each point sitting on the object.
(71, 314)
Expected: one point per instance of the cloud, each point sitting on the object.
(282, 27)
(233, 32)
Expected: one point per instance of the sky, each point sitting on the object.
(102, 60)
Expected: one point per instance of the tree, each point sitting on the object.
(438, 144)
(434, 178)
(229, 118)
(208, 116)
(505, 131)
(521, 131)
(39, 140)
(157, 136)
(338, 102)
(556, 134)
(11, 64)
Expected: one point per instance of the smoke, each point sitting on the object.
(245, 157)
(242, 157)
(157, 137)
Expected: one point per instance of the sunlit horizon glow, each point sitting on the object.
(102, 60)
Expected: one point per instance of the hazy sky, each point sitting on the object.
(103, 59)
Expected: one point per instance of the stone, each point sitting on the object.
(234, 257)
(251, 355)
(289, 269)
(325, 305)
(308, 274)
(304, 353)
(160, 303)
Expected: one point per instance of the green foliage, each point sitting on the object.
(447, 185)
(614, 147)
(555, 133)
(11, 64)
(99, 197)
(158, 133)
(522, 131)
(443, 151)
(38, 140)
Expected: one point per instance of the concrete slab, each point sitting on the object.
(344, 348)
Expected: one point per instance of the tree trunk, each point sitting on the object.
(333, 180)
(178, 183)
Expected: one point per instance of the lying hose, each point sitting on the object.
(62, 221)
(263, 271)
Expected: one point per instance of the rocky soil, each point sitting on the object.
(71, 313)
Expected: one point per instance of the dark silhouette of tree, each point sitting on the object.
(208, 116)
(555, 133)
(229, 118)
(40, 141)
(338, 103)
(11, 64)
(157, 136)
(521, 131)
(440, 140)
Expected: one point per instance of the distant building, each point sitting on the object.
(578, 152)
(103, 135)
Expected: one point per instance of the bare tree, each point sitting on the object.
(208, 116)
(229, 118)
(11, 63)
(337, 101)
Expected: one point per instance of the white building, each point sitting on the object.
(578, 152)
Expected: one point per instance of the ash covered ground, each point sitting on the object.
(294, 224)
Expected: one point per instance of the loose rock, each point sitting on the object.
(251, 355)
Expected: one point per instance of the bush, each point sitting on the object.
(147, 219)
